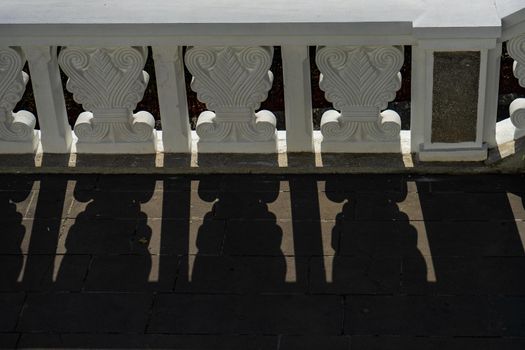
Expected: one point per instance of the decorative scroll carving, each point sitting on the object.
(14, 127)
(232, 81)
(108, 82)
(516, 49)
(360, 81)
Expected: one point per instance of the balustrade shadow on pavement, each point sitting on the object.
(262, 262)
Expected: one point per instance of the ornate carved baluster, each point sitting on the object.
(516, 49)
(232, 81)
(360, 81)
(109, 82)
(17, 134)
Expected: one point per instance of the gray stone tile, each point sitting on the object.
(355, 275)
(502, 276)
(50, 203)
(42, 272)
(147, 341)
(436, 206)
(177, 236)
(467, 238)
(224, 274)
(10, 308)
(371, 238)
(85, 312)
(253, 237)
(262, 314)
(132, 273)
(435, 343)
(418, 315)
(101, 236)
(14, 204)
(8, 340)
(307, 238)
(507, 316)
(388, 206)
(307, 342)
(114, 205)
(453, 276)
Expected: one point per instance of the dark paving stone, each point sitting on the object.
(253, 205)
(381, 239)
(50, 203)
(298, 238)
(132, 273)
(147, 341)
(127, 183)
(248, 237)
(180, 205)
(469, 238)
(10, 307)
(29, 236)
(102, 236)
(507, 316)
(477, 183)
(355, 275)
(502, 276)
(85, 312)
(250, 183)
(314, 342)
(42, 272)
(229, 314)
(418, 315)
(387, 206)
(435, 343)
(436, 206)
(367, 184)
(8, 340)
(14, 204)
(466, 276)
(12, 235)
(454, 276)
(211, 274)
(177, 236)
(23, 272)
(66, 273)
(112, 205)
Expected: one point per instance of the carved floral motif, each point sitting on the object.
(232, 81)
(108, 82)
(360, 81)
(516, 49)
(15, 127)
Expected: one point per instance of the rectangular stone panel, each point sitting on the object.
(455, 96)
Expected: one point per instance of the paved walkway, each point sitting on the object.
(253, 262)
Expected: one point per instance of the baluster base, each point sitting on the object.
(20, 147)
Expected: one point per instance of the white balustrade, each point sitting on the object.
(17, 134)
(229, 52)
(109, 82)
(233, 81)
(360, 81)
(516, 49)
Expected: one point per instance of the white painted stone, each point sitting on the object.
(17, 134)
(55, 135)
(298, 97)
(360, 81)
(422, 98)
(233, 81)
(171, 90)
(109, 82)
(516, 49)
(455, 154)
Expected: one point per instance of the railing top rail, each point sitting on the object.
(417, 18)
